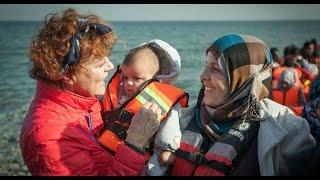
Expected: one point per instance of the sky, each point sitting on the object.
(167, 12)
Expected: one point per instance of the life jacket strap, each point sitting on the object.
(194, 158)
(222, 167)
(119, 129)
(118, 122)
(199, 159)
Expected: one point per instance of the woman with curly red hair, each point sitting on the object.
(70, 61)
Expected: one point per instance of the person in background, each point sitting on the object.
(315, 88)
(286, 52)
(295, 60)
(316, 58)
(288, 91)
(292, 57)
(307, 50)
(58, 136)
(278, 61)
(315, 43)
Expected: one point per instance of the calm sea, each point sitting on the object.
(189, 38)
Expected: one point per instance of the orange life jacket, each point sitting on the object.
(306, 89)
(117, 119)
(288, 98)
(194, 159)
(276, 73)
(298, 74)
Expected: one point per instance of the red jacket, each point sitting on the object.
(56, 138)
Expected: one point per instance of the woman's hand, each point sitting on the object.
(143, 125)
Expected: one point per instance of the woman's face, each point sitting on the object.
(215, 82)
(88, 80)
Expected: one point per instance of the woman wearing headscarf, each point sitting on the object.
(234, 129)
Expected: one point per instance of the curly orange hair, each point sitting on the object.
(52, 43)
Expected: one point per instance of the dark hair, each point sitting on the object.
(314, 41)
(273, 49)
(294, 50)
(286, 51)
(307, 44)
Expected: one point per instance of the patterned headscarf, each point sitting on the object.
(247, 63)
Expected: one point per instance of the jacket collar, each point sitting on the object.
(63, 97)
(271, 133)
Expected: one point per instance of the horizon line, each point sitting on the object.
(242, 20)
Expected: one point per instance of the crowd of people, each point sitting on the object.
(295, 81)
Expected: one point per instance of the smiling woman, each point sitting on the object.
(234, 129)
(58, 135)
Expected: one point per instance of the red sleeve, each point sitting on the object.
(58, 150)
(126, 162)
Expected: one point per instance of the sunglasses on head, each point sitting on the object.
(72, 57)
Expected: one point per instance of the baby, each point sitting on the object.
(154, 60)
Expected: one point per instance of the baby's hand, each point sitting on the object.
(166, 158)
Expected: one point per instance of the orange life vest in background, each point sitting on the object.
(297, 110)
(288, 98)
(298, 74)
(276, 73)
(118, 119)
(306, 89)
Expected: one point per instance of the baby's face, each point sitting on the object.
(138, 72)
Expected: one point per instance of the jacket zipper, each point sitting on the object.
(90, 121)
(91, 127)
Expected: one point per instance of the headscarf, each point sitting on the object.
(170, 61)
(248, 64)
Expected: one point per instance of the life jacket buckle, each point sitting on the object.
(122, 135)
(196, 158)
(125, 116)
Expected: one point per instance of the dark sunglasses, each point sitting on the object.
(72, 57)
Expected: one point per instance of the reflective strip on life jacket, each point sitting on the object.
(152, 94)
